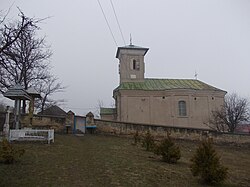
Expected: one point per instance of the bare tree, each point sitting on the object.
(25, 60)
(98, 107)
(234, 111)
(47, 88)
(13, 32)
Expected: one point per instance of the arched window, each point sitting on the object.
(182, 108)
(135, 64)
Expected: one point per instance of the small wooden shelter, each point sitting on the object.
(17, 93)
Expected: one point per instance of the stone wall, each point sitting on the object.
(45, 122)
(194, 134)
(58, 123)
(39, 122)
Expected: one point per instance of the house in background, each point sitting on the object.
(171, 102)
(53, 111)
(243, 128)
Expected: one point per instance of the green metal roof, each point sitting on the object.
(166, 84)
(107, 111)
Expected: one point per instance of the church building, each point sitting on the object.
(171, 102)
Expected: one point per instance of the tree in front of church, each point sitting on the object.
(206, 164)
(169, 151)
(233, 112)
(148, 141)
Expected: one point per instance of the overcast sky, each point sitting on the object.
(211, 37)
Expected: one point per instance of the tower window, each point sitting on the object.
(135, 65)
(182, 108)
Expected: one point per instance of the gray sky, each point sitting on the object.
(211, 37)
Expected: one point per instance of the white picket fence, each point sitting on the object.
(32, 135)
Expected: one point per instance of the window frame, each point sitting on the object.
(182, 108)
(135, 64)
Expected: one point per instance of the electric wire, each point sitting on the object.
(117, 21)
(107, 23)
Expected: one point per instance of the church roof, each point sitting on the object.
(166, 84)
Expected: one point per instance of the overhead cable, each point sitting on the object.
(107, 23)
(117, 21)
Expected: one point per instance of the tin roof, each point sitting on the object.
(166, 84)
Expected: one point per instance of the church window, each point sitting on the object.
(135, 65)
(182, 108)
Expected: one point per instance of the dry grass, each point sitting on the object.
(112, 161)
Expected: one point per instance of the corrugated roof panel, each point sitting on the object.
(166, 84)
(107, 111)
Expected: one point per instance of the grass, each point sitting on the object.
(97, 160)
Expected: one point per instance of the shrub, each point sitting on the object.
(148, 141)
(8, 154)
(206, 164)
(169, 151)
(137, 138)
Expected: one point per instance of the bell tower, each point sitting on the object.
(131, 63)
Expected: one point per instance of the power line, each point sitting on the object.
(68, 107)
(107, 23)
(117, 21)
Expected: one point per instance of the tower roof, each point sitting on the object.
(134, 47)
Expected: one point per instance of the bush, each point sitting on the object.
(169, 151)
(137, 138)
(8, 154)
(148, 141)
(206, 164)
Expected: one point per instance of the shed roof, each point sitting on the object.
(166, 84)
(90, 114)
